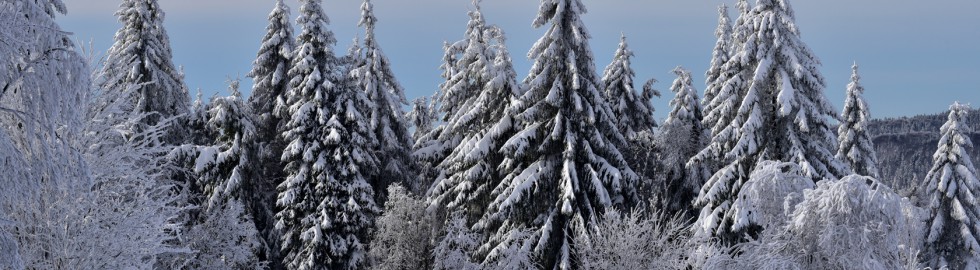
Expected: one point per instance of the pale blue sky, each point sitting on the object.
(916, 56)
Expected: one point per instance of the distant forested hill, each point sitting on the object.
(905, 146)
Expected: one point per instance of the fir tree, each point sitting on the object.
(951, 188)
(421, 117)
(564, 169)
(719, 56)
(474, 103)
(856, 147)
(326, 203)
(634, 114)
(682, 136)
(771, 107)
(372, 73)
(224, 229)
(269, 72)
(141, 55)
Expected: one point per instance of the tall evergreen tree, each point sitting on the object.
(269, 72)
(372, 73)
(474, 103)
(719, 56)
(141, 56)
(564, 168)
(856, 147)
(682, 136)
(951, 188)
(632, 112)
(774, 109)
(223, 229)
(634, 116)
(326, 202)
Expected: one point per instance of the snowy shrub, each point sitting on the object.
(635, 241)
(760, 203)
(403, 234)
(853, 223)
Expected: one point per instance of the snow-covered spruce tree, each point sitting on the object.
(774, 109)
(141, 55)
(420, 117)
(372, 74)
(269, 72)
(719, 56)
(403, 236)
(721, 92)
(326, 203)
(635, 241)
(951, 188)
(564, 167)
(632, 112)
(856, 147)
(223, 229)
(634, 116)
(477, 123)
(680, 138)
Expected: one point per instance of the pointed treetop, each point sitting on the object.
(233, 85)
(743, 6)
(367, 19)
(724, 22)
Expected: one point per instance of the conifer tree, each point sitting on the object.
(951, 189)
(372, 73)
(682, 136)
(634, 114)
(771, 107)
(269, 72)
(564, 169)
(224, 229)
(141, 55)
(326, 203)
(474, 103)
(719, 56)
(856, 147)
(421, 117)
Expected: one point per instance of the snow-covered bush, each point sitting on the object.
(853, 223)
(403, 236)
(634, 241)
(759, 204)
